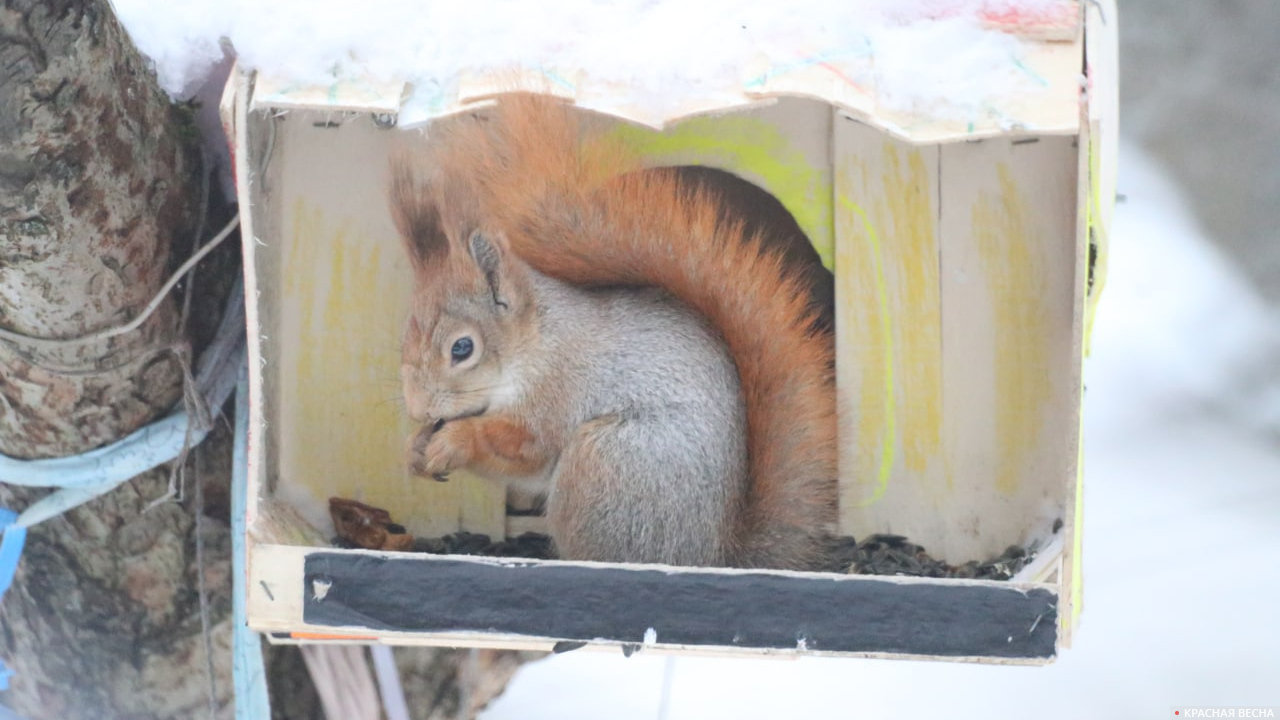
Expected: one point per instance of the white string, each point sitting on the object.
(389, 687)
(664, 698)
(15, 337)
(87, 475)
(191, 400)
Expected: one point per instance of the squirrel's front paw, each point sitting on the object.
(435, 453)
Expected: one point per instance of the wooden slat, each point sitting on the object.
(248, 194)
(420, 599)
(956, 329)
(339, 296)
(1102, 110)
(1072, 489)
(889, 334)
(1099, 143)
(682, 607)
(1011, 372)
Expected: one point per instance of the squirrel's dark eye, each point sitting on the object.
(462, 349)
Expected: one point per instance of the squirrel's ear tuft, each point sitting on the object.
(417, 216)
(491, 256)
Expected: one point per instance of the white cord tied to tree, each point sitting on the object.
(134, 324)
(87, 475)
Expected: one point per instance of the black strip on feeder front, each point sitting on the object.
(759, 610)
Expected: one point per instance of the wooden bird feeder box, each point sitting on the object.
(967, 252)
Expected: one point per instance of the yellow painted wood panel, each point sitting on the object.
(955, 295)
(1010, 376)
(341, 297)
(1096, 186)
(893, 473)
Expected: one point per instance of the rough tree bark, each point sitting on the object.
(100, 194)
(100, 186)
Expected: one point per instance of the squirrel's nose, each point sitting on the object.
(421, 410)
(425, 421)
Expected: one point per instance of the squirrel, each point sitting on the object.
(613, 336)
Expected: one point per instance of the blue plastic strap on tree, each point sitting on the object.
(10, 551)
(81, 478)
(86, 476)
(247, 671)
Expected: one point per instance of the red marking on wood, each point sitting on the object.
(329, 636)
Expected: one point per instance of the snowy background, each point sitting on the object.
(1182, 431)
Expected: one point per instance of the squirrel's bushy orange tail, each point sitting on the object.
(572, 208)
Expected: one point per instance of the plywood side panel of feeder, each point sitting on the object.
(956, 268)
(1011, 377)
(889, 332)
(1069, 575)
(249, 201)
(1101, 121)
(1097, 188)
(340, 293)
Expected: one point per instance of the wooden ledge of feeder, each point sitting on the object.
(298, 594)
(1046, 103)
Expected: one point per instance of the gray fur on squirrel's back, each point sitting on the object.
(662, 381)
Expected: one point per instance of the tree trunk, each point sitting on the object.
(100, 185)
(101, 193)
(99, 179)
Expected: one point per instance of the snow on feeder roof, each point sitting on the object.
(924, 71)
